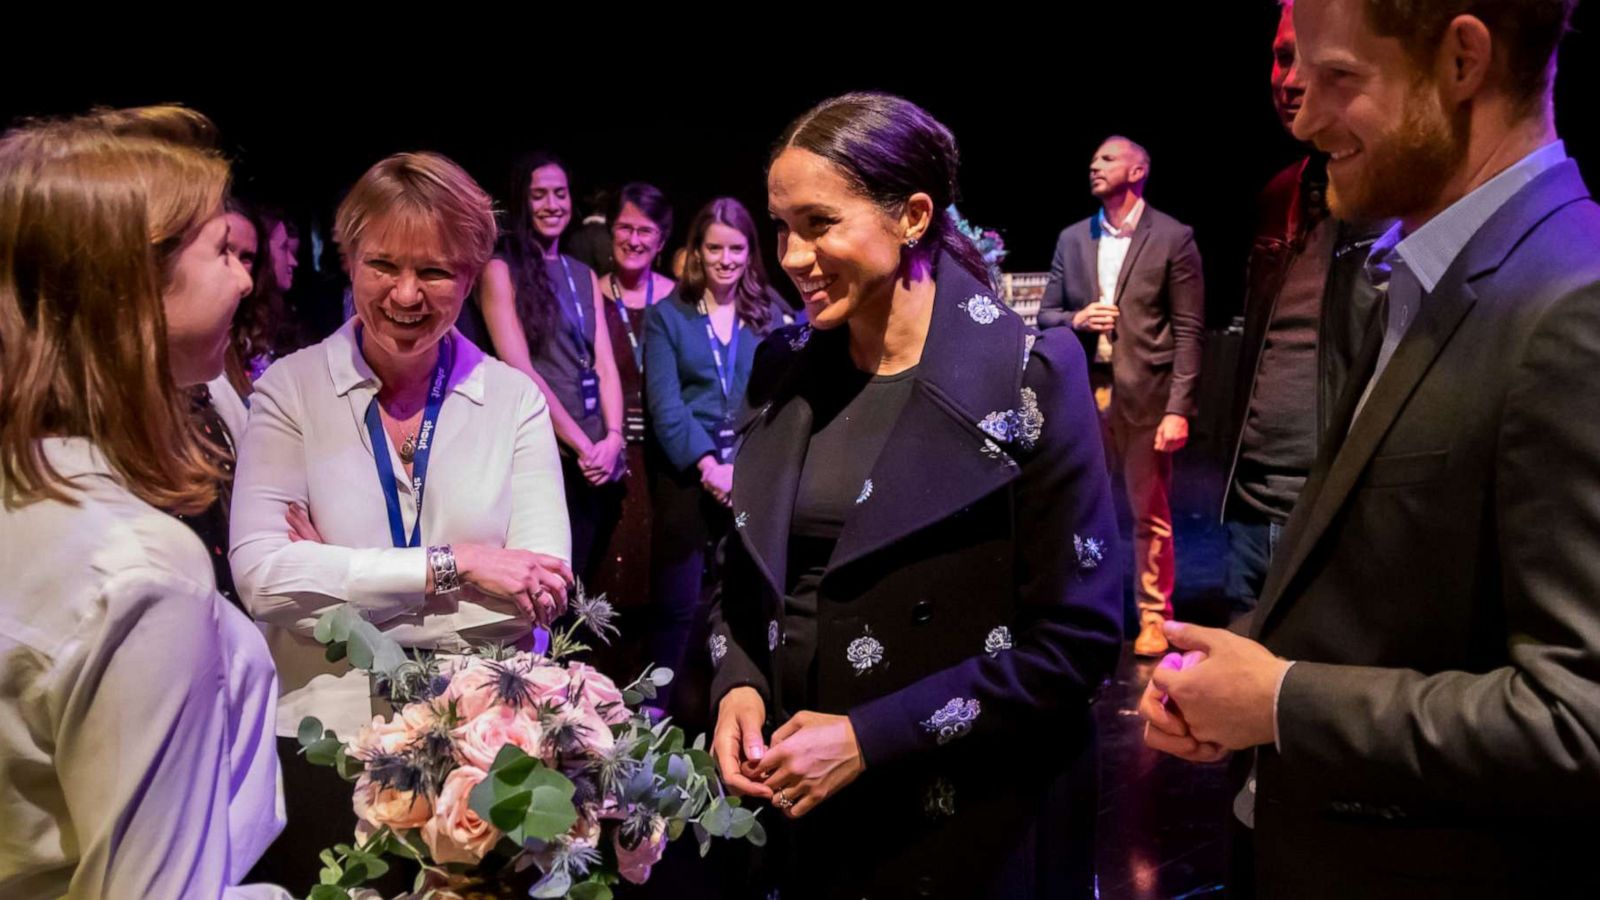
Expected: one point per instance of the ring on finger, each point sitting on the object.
(781, 801)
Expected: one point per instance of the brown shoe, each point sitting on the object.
(1151, 641)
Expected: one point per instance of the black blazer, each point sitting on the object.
(982, 565)
(1439, 585)
(1348, 301)
(1156, 349)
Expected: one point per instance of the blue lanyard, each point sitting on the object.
(419, 462)
(577, 307)
(725, 374)
(622, 312)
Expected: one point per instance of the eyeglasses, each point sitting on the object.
(642, 232)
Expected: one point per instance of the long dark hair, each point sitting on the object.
(253, 321)
(889, 148)
(537, 305)
(752, 300)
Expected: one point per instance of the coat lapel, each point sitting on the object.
(1340, 466)
(938, 460)
(1141, 236)
(1090, 254)
(767, 473)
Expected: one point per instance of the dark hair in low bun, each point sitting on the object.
(889, 148)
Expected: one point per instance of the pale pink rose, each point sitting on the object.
(472, 689)
(475, 684)
(377, 806)
(455, 833)
(380, 737)
(594, 690)
(549, 683)
(634, 865)
(419, 717)
(478, 741)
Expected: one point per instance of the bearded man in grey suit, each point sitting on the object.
(1421, 686)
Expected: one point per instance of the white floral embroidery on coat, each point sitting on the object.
(866, 491)
(719, 648)
(952, 720)
(940, 800)
(799, 341)
(741, 520)
(1027, 349)
(982, 308)
(992, 450)
(998, 639)
(1090, 551)
(1030, 421)
(1022, 426)
(863, 653)
(772, 635)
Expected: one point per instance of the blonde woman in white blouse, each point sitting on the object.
(136, 704)
(324, 507)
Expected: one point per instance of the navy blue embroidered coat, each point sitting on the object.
(981, 565)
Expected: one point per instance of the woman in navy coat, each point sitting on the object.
(918, 606)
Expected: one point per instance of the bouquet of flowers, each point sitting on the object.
(988, 241)
(513, 768)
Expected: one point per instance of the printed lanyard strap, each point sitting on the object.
(419, 462)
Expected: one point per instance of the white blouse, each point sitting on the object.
(494, 478)
(136, 704)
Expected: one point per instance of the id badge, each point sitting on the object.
(589, 389)
(726, 438)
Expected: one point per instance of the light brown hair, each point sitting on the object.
(420, 192)
(93, 212)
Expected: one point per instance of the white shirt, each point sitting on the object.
(494, 478)
(1112, 252)
(230, 406)
(136, 704)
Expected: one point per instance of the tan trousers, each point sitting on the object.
(1147, 475)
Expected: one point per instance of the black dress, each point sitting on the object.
(211, 523)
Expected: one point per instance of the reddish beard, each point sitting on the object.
(1408, 168)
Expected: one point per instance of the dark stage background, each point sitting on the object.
(1028, 104)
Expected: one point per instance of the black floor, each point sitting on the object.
(1162, 822)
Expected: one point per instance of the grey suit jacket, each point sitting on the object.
(1439, 585)
(1156, 348)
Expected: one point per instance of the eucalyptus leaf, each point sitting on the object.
(661, 677)
(551, 812)
(718, 819)
(328, 892)
(354, 875)
(336, 651)
(700, 742)
(554, 885)
(703, 837)
(679, 769)
(508, 814)
(590, 890)
(323, 633)
(324, 752)
(741, 824)
(310, 729)
(758, 834)
(632, 697)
